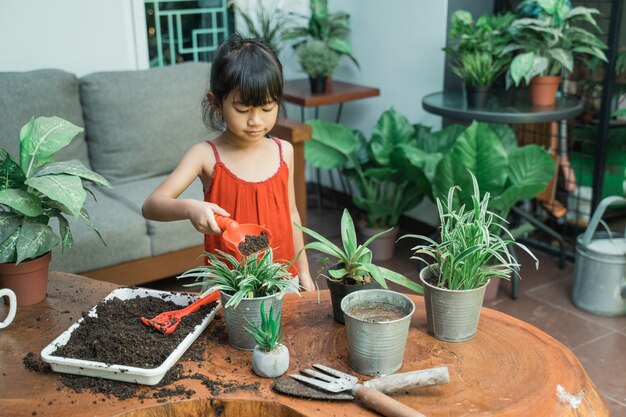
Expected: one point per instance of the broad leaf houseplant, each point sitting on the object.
(471, 250)
(244, 284)
(353, 269)
(33, 189)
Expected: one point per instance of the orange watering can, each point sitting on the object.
(234, 234)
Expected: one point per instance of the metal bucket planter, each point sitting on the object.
(248, 308)
(338, 291)
(600, 268)
(376, 347)
(452, 315)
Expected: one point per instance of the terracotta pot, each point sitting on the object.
(28, 280)
(543, 90)
(491, 292)
(383, 247)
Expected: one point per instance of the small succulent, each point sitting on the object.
(269, 335)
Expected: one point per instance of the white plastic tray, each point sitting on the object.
(125, 373)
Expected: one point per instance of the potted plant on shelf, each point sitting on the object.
(33, 189)
(477, 51)
(244, 286)
(270, 358)
(332, 29)
(318, 61)
(353, 269)
(545, 42)
(472, 249)
(387, 183)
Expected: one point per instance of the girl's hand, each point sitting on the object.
(306, 282)
(202, 216)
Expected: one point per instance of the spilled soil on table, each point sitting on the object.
(117, 336)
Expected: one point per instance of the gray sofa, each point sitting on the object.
(138, 124)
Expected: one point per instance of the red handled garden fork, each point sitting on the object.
(168, 321)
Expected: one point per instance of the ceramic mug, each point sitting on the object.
(12, 307)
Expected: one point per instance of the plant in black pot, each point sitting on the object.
(35, 188)
(318, 61)
(476, 48)
(353, 269)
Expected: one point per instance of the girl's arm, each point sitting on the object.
(298, 239)
(163, 204)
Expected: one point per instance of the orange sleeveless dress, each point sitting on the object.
(265, 203)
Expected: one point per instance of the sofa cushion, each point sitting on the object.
(46, 92)
(122, 228)
(140, 123)
(164, 236)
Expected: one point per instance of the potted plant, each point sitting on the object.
(244, 285)
(545, 42)
(472, 249)
(330, 28)
(353, 269)
(265, 21)
(387, 183)
(318, 61)
(35, 188)
(477, 51)
(270, 358)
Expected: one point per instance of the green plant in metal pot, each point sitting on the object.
(546, 40)
(477, 46)
(387, 183)
(256, 275)
(473, 243)
(35, 188)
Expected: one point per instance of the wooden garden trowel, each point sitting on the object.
(235, 234)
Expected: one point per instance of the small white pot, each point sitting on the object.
(270, 364)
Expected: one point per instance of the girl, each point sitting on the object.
(245, 174)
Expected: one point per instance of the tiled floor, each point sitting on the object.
(544, 301)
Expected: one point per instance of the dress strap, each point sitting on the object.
(280, 148)
(217, 155)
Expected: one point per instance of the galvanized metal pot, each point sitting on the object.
(376, 347)
(452, 315)
(248, 308)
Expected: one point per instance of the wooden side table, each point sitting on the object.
(298, 92)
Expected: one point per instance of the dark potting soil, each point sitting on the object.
(253, 244)
(197, 352)
(377, 312)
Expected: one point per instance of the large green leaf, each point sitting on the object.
(565, 58)
(521, 65)
(47, 136)
(21, 201)
(401, 280)
(322, 156)
(11, 175)
(8, 252)
(35, 239)
(73, 167)
(9, 223)
(348, 233)
(391, 129)
(330, 145)
(66, 189)
(506, 135)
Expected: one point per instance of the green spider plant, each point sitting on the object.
(269, 335)
(256, 275)
(473, 244)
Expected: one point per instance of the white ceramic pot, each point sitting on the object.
(270, 364)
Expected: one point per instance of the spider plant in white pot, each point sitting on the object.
(244, 286)
(472, 249)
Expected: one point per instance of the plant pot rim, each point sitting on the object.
(279, 294)
(395, 293)
(428, 267)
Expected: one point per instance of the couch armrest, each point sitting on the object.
(296, 133)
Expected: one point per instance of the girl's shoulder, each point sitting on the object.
(286, 146)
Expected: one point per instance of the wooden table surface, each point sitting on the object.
(299, 92)
(509, 369)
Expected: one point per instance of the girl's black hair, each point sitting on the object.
(249, 66)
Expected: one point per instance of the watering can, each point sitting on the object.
(600, 269)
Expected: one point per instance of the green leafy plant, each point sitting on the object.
(317, 59)
(545, 40)
(387, 183)
(269, 335)
(256, 275)
(265, 21)
(39, 188)
(473, 243)
(477, 46)
(321, 25)
(354, 262)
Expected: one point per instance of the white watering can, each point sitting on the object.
(600, 269)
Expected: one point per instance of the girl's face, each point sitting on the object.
(248, 123)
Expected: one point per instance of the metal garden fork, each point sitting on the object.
(332, 380)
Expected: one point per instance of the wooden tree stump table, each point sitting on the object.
(509, 369)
